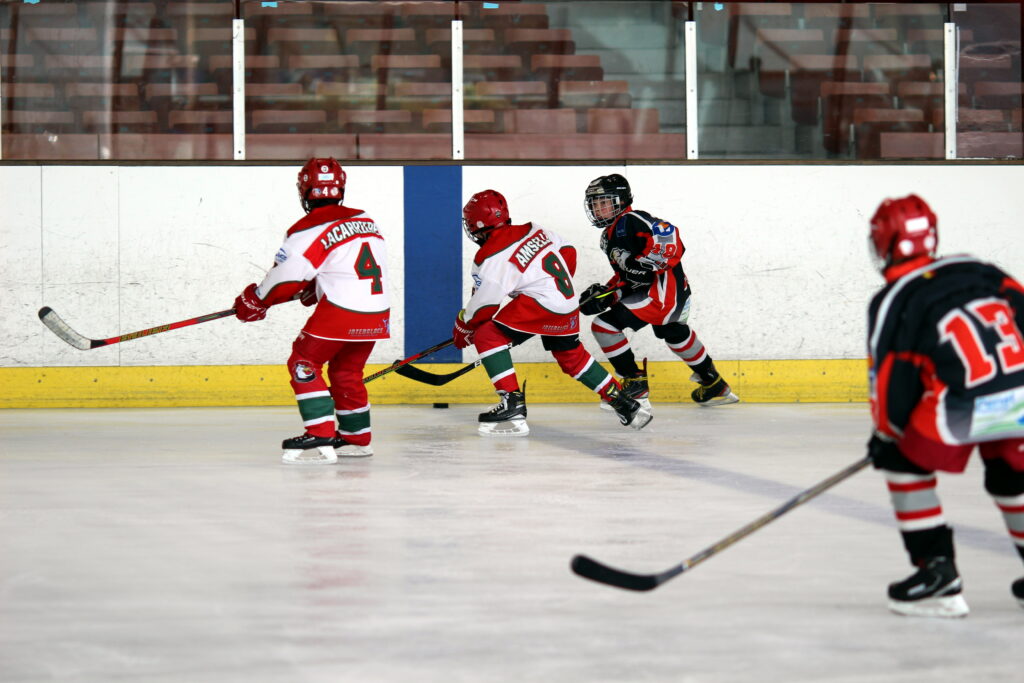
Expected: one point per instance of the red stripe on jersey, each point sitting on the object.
(918, 514)
(1016, 534)
(614, 347)
(1012, 509)
(337, 234)
(914, 486)
(594, 326)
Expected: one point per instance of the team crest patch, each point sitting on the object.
(281, 256)
(303, 372)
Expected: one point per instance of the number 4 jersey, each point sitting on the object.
(946, 353)
(342, 249)
(534, 267)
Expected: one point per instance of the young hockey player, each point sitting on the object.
(534, 267)
(947, 355)
(334, 258)
(648, 287)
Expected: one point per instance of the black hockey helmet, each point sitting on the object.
(606, 198)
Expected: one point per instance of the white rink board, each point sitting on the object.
(776, 254)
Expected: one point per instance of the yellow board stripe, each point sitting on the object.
(754, 381)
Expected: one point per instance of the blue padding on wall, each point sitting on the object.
(433, 257)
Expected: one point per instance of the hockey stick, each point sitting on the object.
(596, 571)
(83, 343)
(401, 363)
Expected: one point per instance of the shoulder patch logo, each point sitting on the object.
(281, 256)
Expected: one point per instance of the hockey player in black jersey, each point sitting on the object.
(947, 374)
(648, 288)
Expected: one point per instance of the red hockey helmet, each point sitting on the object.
(484, 212)
(903, 229)
(321, 179)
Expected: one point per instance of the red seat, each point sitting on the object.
(532, 41)
(367, 42)
(998, 95)
(984, 145)
(43, 147)
(289, 121)
(773, 48)
(623, 121)
(869, 124)
(293, 146)
(928, 96)
(507, 94)
(200, 121)
(116, 96)
(867, 41)
(912, 146)
(473, 121)
(81, 67)
(976, 66)
(304, 41)
(107, 121)
(278, 96)
(21, 95)
(477, 68)
(475, 41)
(807, 73)
(591, 94)
(346, 95)
(416, 95)
(374, 121)
(580, 146)
(893, 68)
(36, 121)
(408, 146)
(554, 68)
(406, 67)
(540, 121)
(839, 100)
(995, 120)
(167, 146)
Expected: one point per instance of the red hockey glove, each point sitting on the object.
(308, 295)
(248, 305)
(461, 333)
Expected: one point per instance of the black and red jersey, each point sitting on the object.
(946, 353)
(645, 252)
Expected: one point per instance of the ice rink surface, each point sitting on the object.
(172, 545)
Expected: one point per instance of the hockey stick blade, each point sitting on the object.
(419, 375)
(595, 571)
(60, 328)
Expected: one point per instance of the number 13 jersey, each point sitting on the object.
(947, 354)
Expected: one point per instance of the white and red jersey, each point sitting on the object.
(342, 249)
(534, 267)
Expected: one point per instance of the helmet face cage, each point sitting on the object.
(902, 229)
(606, 197)
(484, 212)
(321, 179)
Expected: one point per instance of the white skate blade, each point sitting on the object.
(641, 419)
(322, 455)
(721, 400)
(645, 403)
(948, 607)
(350, 450)
(517, 427)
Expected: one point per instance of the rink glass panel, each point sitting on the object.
(554, 80)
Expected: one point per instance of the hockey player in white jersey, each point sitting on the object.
(533, 266)
(335, 259)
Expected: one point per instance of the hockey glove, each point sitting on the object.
(461, 333)
(248, 305)
(595, 299)
(308, 295)
(885, 455)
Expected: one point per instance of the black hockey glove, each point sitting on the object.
(885, 455)
(595, 300)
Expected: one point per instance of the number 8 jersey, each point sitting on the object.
(947, 354)
(342, 249)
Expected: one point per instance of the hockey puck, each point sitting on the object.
(440, 405)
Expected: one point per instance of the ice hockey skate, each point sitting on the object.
(629, 410)
(309, 450)
(1017, 587)
(714, 393)
(508, 418)
(637, 388)
(344, 449)
(933, 591)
